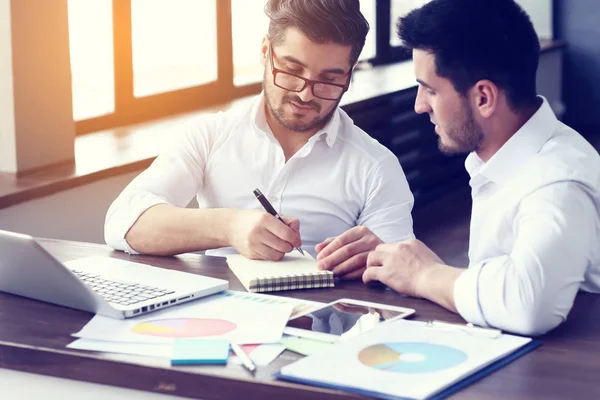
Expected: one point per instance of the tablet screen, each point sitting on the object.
(343, 319)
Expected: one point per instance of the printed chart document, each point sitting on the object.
(293, 271)
(406, 359)
(218, 316)
(261, 354)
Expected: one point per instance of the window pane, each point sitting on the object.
(399, 9)
(540, 12)
(92, 67)
(249, 25)
(174, 44)
(367, 7)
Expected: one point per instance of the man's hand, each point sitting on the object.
(346, 254)
(401, 265)
(411, 268)
(258, 235)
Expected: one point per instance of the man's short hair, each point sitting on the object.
(322, 21)
(478, 39)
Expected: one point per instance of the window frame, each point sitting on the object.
(132, 110)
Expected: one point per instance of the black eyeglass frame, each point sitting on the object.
(275, 71)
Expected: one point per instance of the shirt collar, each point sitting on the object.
(517, 151)
(329, 132)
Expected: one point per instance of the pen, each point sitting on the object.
(246, 361)
(269, 208)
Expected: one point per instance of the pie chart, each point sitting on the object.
(184, 327)
(411, 357)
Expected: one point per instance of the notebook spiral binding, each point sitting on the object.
(320, 279)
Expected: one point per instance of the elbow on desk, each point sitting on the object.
(116, 241)
(114, 236)
(533, 321)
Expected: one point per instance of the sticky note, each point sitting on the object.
(200, 351)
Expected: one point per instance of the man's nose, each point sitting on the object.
(421, 106)
(306, 94)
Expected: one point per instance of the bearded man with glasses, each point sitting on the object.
(339, 191)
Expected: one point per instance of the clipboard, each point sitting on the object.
(439, 396)
(382, 363)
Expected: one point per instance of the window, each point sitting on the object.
(399, 9)
(90, 27)
(174, 44)
(540, 12)
(247, 39)
(367, 7)
(138, 60)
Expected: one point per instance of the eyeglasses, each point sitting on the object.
(296, 83)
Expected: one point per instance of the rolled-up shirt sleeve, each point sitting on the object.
(387, 210)
(174, 177)
(531, 289)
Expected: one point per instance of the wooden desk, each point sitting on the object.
(33, 336)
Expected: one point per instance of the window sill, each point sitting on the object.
(128, 149)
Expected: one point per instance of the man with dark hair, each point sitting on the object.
(535, 225)
(336, 188)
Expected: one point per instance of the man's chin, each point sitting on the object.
(301, 122)
(295, 125)
(449, 149)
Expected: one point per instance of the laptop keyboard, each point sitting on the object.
(121, 293)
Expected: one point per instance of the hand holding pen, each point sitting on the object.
(260, 235)
(269, 208)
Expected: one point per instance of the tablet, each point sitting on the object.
(343, 318)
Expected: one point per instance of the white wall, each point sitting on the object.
(75, 214)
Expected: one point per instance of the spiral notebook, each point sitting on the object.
(293, 271)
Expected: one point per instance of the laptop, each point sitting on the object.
(101, 285)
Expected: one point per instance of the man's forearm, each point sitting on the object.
(437, 285)
(166, 230)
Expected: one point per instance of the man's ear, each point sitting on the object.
(264, 49)
(485, 96)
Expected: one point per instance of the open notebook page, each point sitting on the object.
(292, 264)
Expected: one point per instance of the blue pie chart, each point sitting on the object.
(411, 357)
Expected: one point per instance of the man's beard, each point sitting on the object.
(297, 125)
(466, 137)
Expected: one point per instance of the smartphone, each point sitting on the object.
(342, 319)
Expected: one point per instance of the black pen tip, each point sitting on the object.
(257, 192)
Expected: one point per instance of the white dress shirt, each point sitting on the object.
(535, 229)
(339, 179)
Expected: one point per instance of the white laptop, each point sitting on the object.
(102, 285)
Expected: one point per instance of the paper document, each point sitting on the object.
(301, 306)
(404, 359)
(217, 316)
(293, 271)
